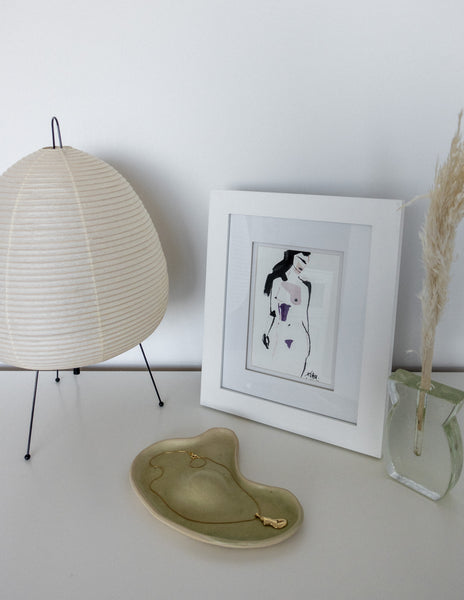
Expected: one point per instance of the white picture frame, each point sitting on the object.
(300, 308)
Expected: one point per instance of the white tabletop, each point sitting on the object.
(71, 526)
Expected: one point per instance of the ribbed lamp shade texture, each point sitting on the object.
(83, 276)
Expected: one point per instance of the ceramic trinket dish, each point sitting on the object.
(195, 486)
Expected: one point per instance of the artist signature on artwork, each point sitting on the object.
(312, 375)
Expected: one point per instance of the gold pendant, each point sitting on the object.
(275, 523)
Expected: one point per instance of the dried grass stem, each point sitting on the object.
(438, 235)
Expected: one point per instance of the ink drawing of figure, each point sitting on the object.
(288, 334)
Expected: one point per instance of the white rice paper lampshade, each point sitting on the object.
(82, 273)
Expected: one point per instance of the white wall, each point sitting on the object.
(183, 96)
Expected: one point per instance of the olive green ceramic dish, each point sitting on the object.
(194, 485)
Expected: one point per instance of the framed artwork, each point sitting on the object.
(300, 311)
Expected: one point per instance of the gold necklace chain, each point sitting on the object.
(275, 523)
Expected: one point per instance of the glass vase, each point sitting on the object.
(425, 455)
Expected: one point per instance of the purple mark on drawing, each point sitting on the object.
(283, 310)
(289, 342)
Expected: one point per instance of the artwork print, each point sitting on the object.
(293, 313)
(300, 310)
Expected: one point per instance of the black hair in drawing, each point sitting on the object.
(279, 269)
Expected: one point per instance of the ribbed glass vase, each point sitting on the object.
(428, 461)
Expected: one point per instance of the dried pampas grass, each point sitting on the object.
(438, 234)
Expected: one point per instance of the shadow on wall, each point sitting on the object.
(169, 214)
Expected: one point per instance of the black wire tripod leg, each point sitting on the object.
(160, 402)
(27, 456)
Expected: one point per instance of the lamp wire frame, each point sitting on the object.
(55, 122)
(77, 371)
(27, 456)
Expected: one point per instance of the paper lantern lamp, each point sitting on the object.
(83, 276)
